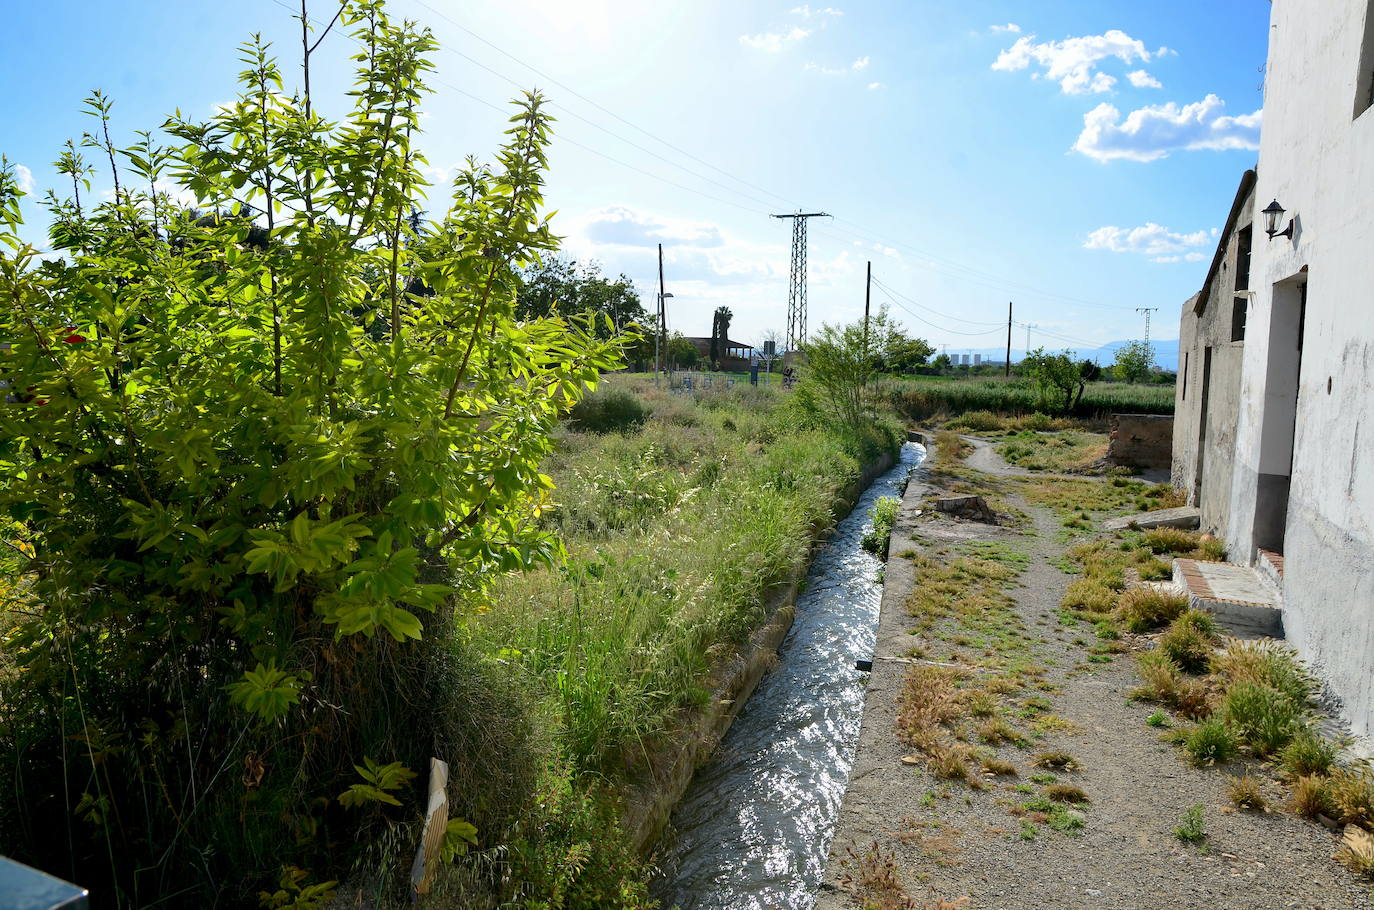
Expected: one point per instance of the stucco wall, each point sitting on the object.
(1317, 159)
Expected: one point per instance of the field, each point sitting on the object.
(924, 397)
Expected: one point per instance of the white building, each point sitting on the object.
(1302, 477)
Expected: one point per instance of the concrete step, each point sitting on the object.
(1182, 517)
(1239, 597)
(1270, 566)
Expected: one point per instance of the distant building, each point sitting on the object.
(977, 359)
(1295, 490)
(736, 356)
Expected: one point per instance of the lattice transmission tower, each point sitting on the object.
(796, 289)
(1147, 310)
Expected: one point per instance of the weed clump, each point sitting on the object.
(1171, 540)
(1192, 826)
(997, 731)
(1267, 663)
(1263, 718)
(999, 767)
(883, 516)
(1066, 793)
(1311, 797)
(1190, 640)
(1245, 792)
(1165, 683)
(1056, 761)
(1352, 796)
(1211, 742)
(1145, 609)
(1307, 754)
(609, 410)
(1089, 595)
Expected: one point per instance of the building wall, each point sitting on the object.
(1203, 455)
(1317, 159)
(1140, 440)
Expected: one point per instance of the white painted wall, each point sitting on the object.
(1317, 159)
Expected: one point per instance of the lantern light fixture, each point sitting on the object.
(1272, 214)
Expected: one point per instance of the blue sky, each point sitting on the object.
(1073, 157)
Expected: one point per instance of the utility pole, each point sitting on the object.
(661, 336)
(1147, 310)
(1028, 328)
(796, 289)
(868, 294)
(1008, 370)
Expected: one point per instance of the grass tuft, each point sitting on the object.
(1211, 742)
(1066, 793)
(1190, 641)
(1307, 754)
(1262, 717)
(1192, 826)
(1245, 792)
(1311, 797)
(999, 767)
(1056, 761)
(1145, 609)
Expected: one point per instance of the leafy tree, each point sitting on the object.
(262, 456)
(839, 363)
(1134, 361)
(1059, 377)
(558, 284)
(941, 363)
(682, 352)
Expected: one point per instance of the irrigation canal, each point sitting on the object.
(754, 828)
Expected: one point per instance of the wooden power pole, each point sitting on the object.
(1008, 369)
(868, 294)
(661, 354)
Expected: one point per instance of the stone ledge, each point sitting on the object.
(1183, 517)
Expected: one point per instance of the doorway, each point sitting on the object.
(1279, 423)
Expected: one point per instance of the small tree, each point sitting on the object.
(720, 333)
(837, 361)
(1134, 361)
(682, 352)
(1060, 378)
(560, 285)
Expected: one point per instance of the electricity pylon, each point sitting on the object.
(796, 289)
(1147, 310)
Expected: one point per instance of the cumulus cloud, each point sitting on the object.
(621, 225)
(24, 178)
(1142, 79)
(806, 12)
(1011, 27)
(874, 86)
(860, 64)
(1150, 239)
(1073, 62)
(774, 42)
(1153, 132)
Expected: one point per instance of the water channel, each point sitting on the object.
(754, 828)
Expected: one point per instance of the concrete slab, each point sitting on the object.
(1182, 517)
(1238, 596)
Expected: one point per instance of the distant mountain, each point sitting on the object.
(1166, 353)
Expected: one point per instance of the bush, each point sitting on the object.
(261, 474)
(1145, 609)
(1211, 742)
(977, 421)
(1189, 641)
(1307, 754)
(1263, 718)
(609, 410)
(883, 516)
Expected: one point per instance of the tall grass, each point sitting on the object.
(923, 397)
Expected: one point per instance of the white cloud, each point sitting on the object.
(1153, 132)
(860, 64)
(806, 12)
(1011, 27)
(1142, 79)
(774, 42)
(874, 86)
(857, 65)
(24, 178)
(1150, 239)
(1073, 62)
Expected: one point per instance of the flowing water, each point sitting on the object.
(754, 827)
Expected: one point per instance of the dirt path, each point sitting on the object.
(948, 840)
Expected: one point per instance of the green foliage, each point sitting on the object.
(840, 364)
(1264, 718)
(294, 894)
(377, 781)
(1307, 753)
(1192, 825)
(255, 433)
(883, 516)
(1190, 640)
(560, 285)
(1157, 719)
(682, 353)
(1060, 379)
(1211, 742)
(1134, 361)
(1146, 609)
(609, 410)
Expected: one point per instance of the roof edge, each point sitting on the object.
(1247, 185)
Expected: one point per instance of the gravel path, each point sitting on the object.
(966, 843)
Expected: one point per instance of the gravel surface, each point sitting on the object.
(968, 844)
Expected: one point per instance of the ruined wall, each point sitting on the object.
(1141, 440)
(1315, 151)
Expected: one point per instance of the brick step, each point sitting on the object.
(1240, 597)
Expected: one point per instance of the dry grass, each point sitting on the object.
(1190, 641)
(1245, 792)
(929, 699)
(1357, 851)
(1311, 797)
(996, 731)
(1352, 796)
(999, 767)
(1064, 452)
(1185, 543)
(1056, 761)
(872, 877)
(1145, 609)
(1066, 793)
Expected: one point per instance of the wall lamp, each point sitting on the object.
(1272, 214)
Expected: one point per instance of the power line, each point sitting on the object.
(929, 309)
(939, 328)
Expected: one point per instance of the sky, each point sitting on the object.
(1074, 158)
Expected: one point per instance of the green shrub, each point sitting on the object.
(977, 421)
(1211, 742)
(1192, 827)
(1189, 641)
(1145, 609)
(1263, 718)
(609, 410)
(883, 516)
(1268, 663)
(1307, 754)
